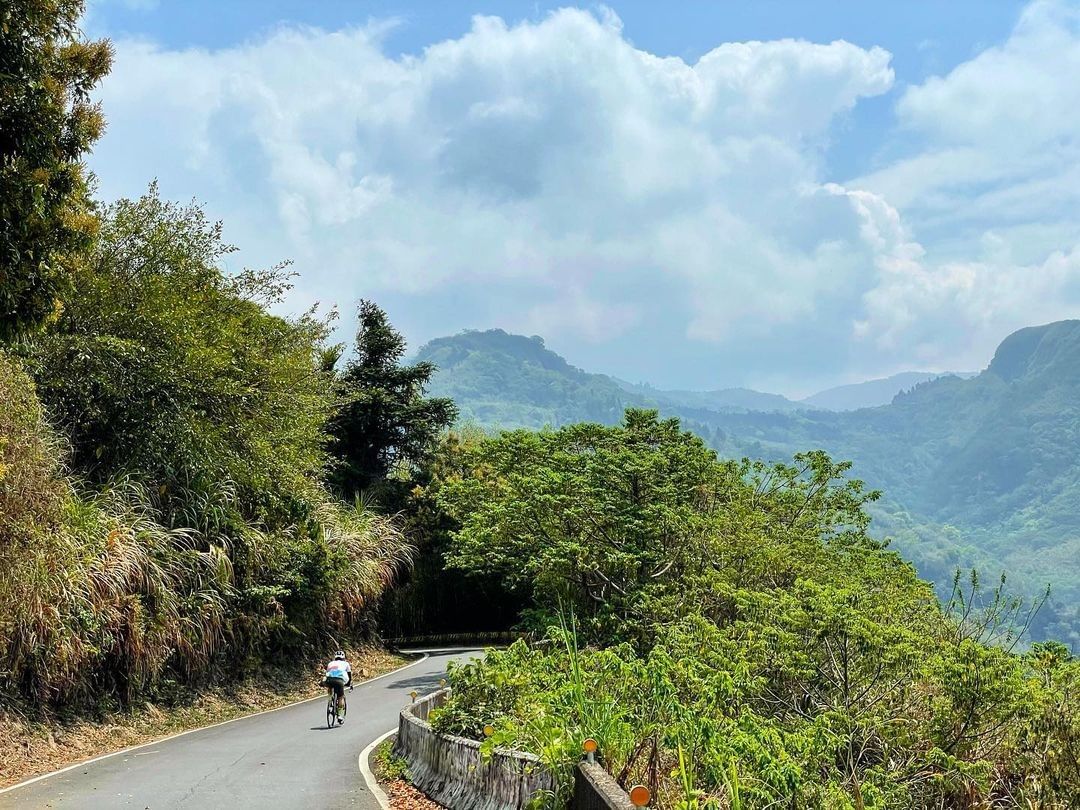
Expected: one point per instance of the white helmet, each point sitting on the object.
(339, 655)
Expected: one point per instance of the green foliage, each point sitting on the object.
(977, 472)
(763, 651)
(47, 124)
(197, 528)
(385, 423)
(435, 599)
(616, 521)
(390, 766)
(164, 367)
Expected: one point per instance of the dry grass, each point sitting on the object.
(29, 748)
(101, 602)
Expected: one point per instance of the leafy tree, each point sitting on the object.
(748, 644)
(434, 598)
(619, 521)
(163, 367)
(385, 423)
(47, 123)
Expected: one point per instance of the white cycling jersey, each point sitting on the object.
(339, 669)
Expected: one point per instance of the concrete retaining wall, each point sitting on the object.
(595, 789)
(452, 772)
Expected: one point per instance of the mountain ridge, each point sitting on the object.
(463, 349)
(976, 471)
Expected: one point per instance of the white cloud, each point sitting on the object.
(551, 177)
(993, 192)
(554, 156)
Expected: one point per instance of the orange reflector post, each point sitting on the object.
(640, 795)
(589, 746)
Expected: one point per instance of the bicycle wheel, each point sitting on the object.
(331, 711)
(344, 709)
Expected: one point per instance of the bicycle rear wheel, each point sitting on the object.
(331, 711)
(344, 708)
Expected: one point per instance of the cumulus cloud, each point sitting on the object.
(992, 192)
(650, 217)
(553, 158)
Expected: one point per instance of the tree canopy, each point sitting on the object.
(384, 423)
(47, 124)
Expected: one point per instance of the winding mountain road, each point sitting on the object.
(286, 758)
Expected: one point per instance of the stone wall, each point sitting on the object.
(595, 789)
(452, 772)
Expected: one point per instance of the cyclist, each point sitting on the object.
(338, 676)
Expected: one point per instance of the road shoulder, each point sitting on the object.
(31, 752)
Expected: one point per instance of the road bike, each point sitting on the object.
(332, 718)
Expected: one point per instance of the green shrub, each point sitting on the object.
(195, 526)
(749, 645)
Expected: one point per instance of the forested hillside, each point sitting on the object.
(180, 467)
(975, 472)
(871, 393)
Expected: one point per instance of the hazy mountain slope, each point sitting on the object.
(981, 471)
(506, 381)
(871, 393)
(720, 399)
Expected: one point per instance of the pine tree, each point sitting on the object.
(385, 423)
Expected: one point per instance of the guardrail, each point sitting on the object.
(452, 771)
(456, 639)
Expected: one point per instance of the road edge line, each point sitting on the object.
(26, 782)
(366, 774)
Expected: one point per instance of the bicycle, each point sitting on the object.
(332, 718)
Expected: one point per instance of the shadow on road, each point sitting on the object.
(425, 681)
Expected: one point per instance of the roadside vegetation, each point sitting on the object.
(193, 484)
(184, 491)
(732, 636)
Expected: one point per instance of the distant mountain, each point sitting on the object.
(983, 471)
(722, 399)
(872, 393)
(503, 380)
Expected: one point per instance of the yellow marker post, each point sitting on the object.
(640, 796)
(489, 730)
(589, 747)
(412, 694)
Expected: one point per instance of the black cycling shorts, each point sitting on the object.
(338, 685)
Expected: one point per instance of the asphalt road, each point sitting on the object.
(282, 759)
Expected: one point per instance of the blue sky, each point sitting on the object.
(699, 194)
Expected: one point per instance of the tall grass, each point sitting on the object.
(105, 593)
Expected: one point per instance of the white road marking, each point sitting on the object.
(369, 778)
(86, 762)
